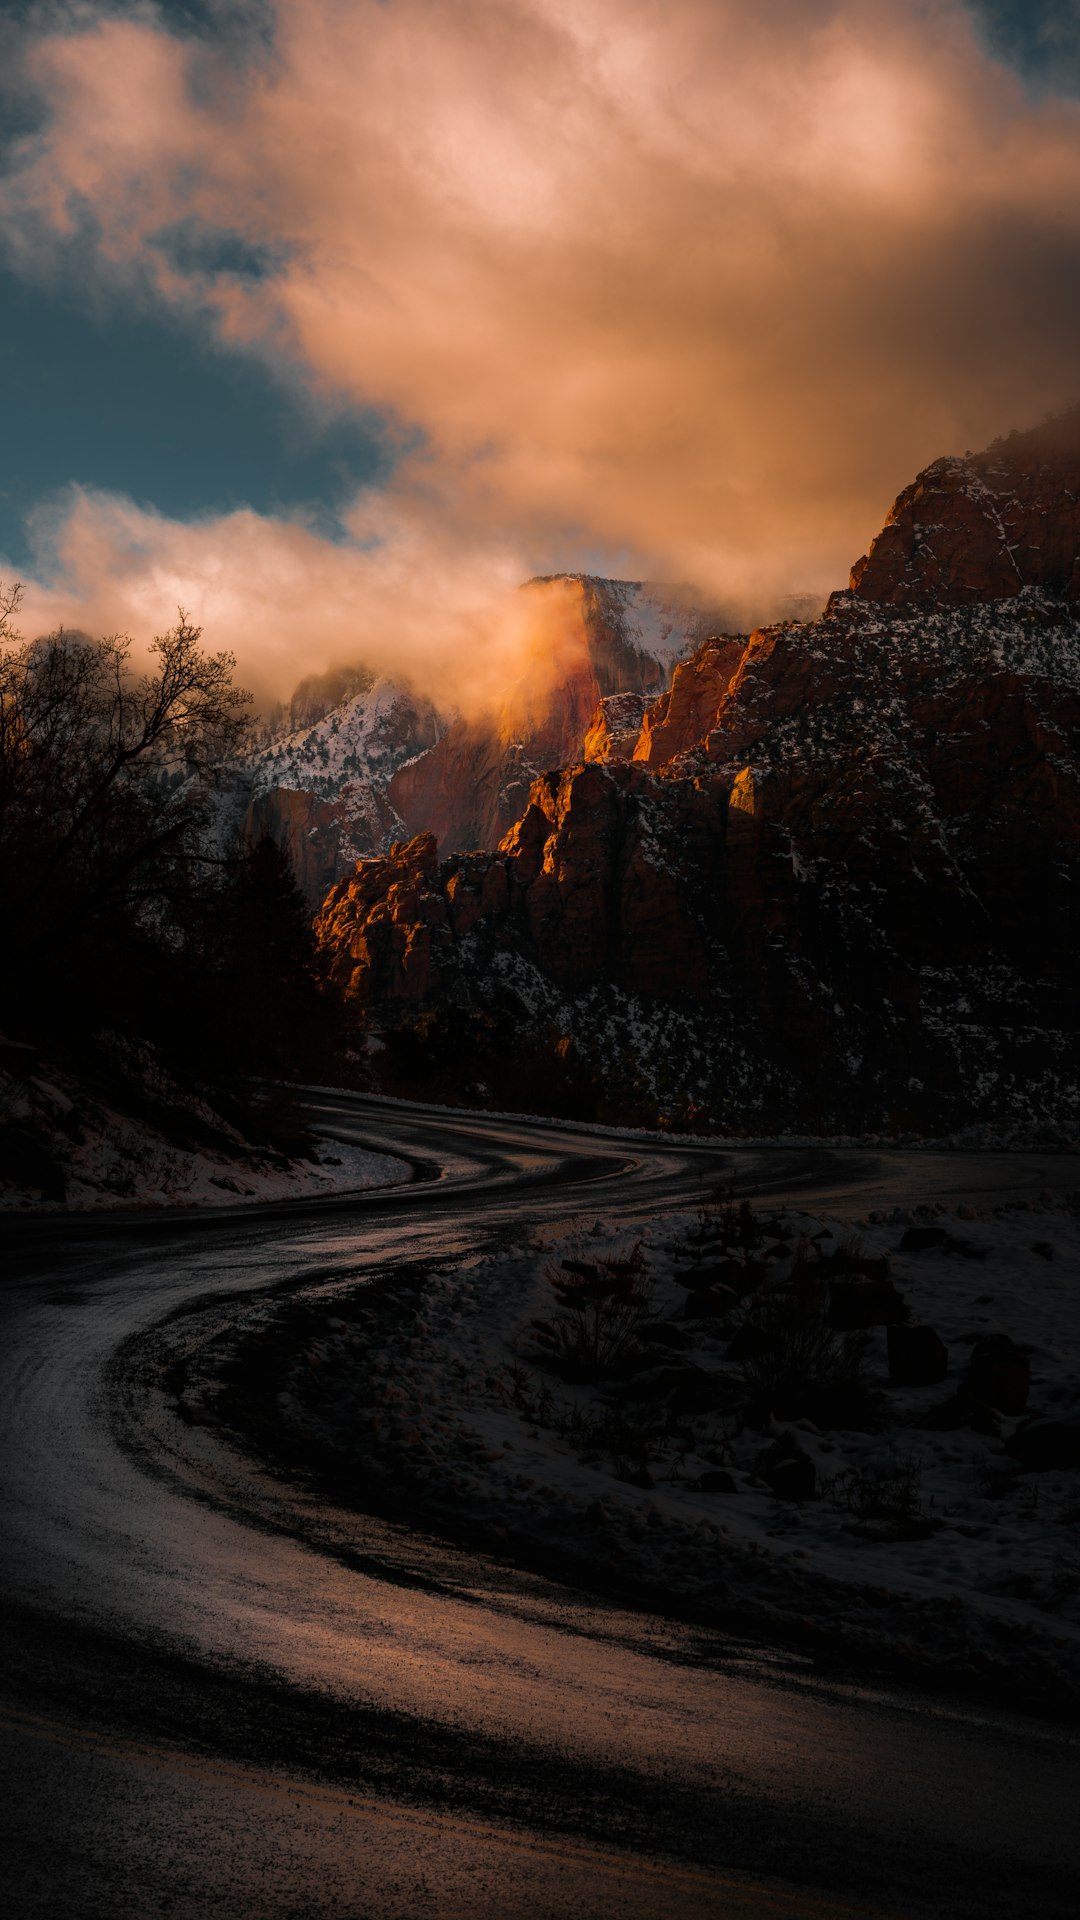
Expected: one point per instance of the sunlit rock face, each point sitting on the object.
(599, 881)
(616, 637)
(682, 716)
(387, 928)
(836, 890)
(615, 727)
(984, 527)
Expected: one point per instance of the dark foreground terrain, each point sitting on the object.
(223, 1696)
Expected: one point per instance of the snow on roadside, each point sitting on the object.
(438, 1392)
(63, 1150)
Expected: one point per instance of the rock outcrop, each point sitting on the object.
(685, 714)
(599, 880)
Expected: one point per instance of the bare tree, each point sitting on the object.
(104, 775)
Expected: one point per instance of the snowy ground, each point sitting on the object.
(925, 1539)
(63, 1149)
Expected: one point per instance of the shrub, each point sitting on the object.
(736, 1228)
(601, 1305)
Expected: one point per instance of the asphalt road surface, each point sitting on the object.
(221, 1697)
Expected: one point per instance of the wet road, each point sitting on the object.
(222, 1698)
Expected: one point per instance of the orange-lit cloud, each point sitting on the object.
(691, 288)
(401, 596)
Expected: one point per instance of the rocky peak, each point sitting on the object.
(369, 734)
(384, 762)
(985, 526)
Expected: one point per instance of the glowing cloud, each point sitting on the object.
(689, 290)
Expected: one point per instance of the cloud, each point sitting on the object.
(688, 290)
(281, 596)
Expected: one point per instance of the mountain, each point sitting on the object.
(385, 764)
(834, 889)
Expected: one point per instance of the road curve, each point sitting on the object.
(222, 1698)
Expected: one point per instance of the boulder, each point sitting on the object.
(999, 1374)
(789, 1471)
(856, 1304)
(661, 1333)
(923, 1239)
(918, 1357)
(715, 1480)
(1047, 1446)
(724, 1273)
(710, 1303)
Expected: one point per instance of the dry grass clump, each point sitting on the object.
(797, 1364)
(886, 1504)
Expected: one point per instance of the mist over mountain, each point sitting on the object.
(386, 762)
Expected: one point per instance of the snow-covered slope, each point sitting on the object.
(364, 740)
(321, 791)
(67, 1144)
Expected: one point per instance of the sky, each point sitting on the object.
(333, 320)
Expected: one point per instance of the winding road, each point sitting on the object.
(222, 1697)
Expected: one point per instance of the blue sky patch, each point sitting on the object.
(1040, 38)
(137, 403)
